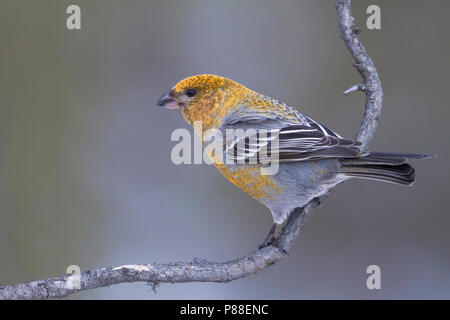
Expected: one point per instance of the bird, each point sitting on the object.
(311, 159)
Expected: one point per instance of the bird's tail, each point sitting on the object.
(384, 166)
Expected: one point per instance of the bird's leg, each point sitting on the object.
(319, 201)
(270, 239)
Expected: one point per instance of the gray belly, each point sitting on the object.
(301, 182)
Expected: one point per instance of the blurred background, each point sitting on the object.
(85, 171)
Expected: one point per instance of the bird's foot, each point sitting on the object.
(270, 239)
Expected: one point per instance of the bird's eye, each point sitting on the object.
(191, 92)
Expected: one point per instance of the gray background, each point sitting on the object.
(85, 170)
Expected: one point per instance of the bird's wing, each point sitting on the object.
(286, 143)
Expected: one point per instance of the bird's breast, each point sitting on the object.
(250, 180)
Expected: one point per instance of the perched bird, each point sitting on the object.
(312, 158)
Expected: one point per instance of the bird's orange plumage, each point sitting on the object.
(216, 98)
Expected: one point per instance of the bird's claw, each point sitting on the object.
(270, 241)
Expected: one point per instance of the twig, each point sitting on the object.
(354, 88)
(201, 270)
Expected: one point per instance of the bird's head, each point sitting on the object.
(206, 98)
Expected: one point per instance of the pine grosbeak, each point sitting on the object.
(312, 158)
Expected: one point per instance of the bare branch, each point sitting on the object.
(201, 270)
(198, 270)
(374, 95)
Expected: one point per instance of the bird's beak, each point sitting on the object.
(167, 101)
